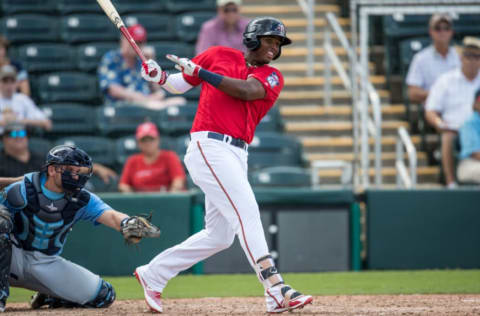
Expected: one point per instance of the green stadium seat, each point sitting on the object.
(123, 119)
(466, 24)
(181, 144)
(24, 28)
(78, 6)
(70, 118)
(39, 145)
(158, 26)
(189, 24)
(293, 177)
(176, 6)
(96, 185)
(177, 120)
(101, 149)
(125, 6)
(274, 149)
(127, 146)
(88, 56)
(27, 6)
(174, 48)
(67, 86)
(81, 28)
(272, 121)
(408, 49)
(42, 57)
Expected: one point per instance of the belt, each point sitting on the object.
(237, 142)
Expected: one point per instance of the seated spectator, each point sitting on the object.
(16, 159)
(449, 103)
(23, 85)
(153, 169)
(226, 29)
(469, 167)
(432, 61)
(18, 106)
(120, 79)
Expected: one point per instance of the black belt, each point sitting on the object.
(237, 142)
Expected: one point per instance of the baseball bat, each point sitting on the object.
(113, 15)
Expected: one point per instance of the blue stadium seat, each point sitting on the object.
(69, 118)
(158, 26)
(174, 48)
(125, 6)
(99, 148)
(123, 119)
(274, 149)
(27, 6)
(81, 28)
(466, 24)
(272, 121)
(408, 49)
(78, 6)
(96, 185)
(89, 55)
(177, 120)
(188, 24)
(67, 86)
(292, 177)
(176, 6)
(24, 28)
(41, 146)
(42, 57)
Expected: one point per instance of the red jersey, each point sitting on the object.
(157, 176)
(221, 113)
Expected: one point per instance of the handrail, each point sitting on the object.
(403, 139)
(308, 8)
(317, 165)
(373, 126)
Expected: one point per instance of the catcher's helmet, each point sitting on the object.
(70, 156)
(264, 26)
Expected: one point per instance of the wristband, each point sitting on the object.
(210, 77)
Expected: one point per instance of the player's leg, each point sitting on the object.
(62, 283)
(5, 255)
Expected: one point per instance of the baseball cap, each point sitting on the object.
(138, 32)
(146, 129)
(471, 42)
(8, 71)
(221, 3)
(440, 17)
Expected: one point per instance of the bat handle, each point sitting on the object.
(134, 45)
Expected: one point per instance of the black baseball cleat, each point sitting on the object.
(2, 305)
(38, 300)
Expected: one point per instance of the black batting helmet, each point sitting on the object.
(264, 26)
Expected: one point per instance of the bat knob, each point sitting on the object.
(153, 73)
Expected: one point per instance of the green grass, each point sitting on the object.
(368, 282)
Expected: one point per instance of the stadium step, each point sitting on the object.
(388, 158)
(309, 111)
(286, 10)
(300, 68)
(298, 97)
(320, 81)
(312, 128)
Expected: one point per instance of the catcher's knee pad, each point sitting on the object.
(105, 296)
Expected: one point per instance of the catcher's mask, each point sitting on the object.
(74, 164)
(264, 26)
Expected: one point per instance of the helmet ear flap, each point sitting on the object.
(252, 43)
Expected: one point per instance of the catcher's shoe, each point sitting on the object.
(282, 298)
(152, 298)
(38, 300)
(2, 305)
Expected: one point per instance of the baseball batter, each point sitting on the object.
(237, 91)
(36, 214)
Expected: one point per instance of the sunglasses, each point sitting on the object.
(18, 134)
(230, 9)
(442, 28)
(472, 56)
(8, 80)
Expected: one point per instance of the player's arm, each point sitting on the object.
(112, 218)
(7, 181)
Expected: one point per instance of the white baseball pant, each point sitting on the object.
(220, 170)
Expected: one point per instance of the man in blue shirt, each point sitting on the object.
(469, 166)
(36, 214)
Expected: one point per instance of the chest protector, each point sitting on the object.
(43, 224)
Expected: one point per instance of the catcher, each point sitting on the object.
(36, 214)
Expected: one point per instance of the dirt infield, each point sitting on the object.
(431, 305)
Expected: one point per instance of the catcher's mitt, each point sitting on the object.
(134, 228)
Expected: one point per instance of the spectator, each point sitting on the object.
(22, 78)
(16, 158)
(469, 166)
(18, 106)
(120, 79)
(432, 61)
(152, 169)
(226, 29)
(450, 100)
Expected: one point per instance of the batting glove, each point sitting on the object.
(152, 72)
(185, 65)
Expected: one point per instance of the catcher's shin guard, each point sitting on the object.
(105, 296)
(5, 254)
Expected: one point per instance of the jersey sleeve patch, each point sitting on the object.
(273, 80)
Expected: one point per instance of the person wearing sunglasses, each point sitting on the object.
(225, 29)
(434, 60)
(449, 103)
(18, 106)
